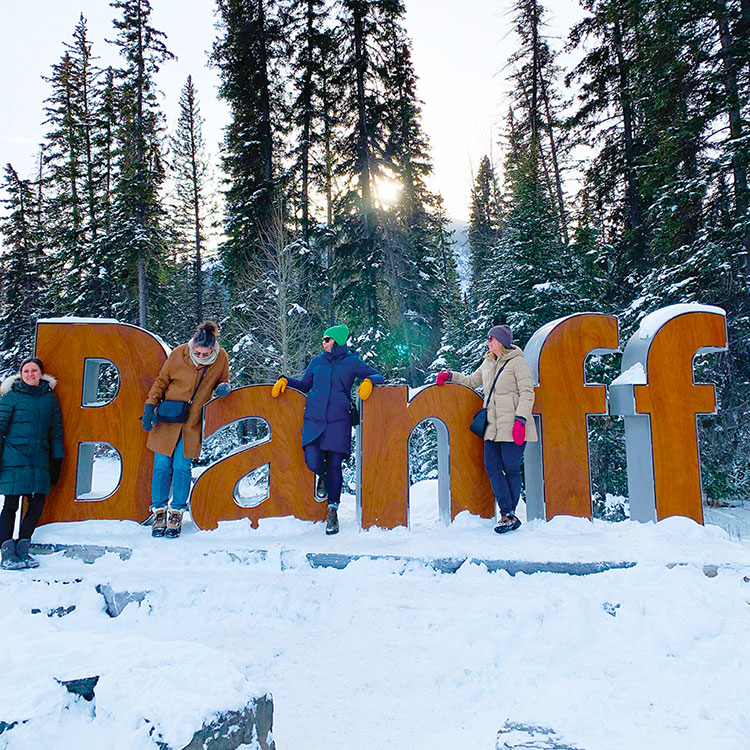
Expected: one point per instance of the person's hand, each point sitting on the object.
(279, 387)
(519, 431)
(149, 417)
(443, 377)
(55, 467)
(222, 390)
(365, 389)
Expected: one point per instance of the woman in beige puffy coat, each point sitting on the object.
(510, 424)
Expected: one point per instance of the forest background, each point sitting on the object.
(618, 183)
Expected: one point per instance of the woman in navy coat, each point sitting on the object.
(327, 425)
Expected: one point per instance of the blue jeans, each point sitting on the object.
(171, 470)
(502, 461)
(328, 463)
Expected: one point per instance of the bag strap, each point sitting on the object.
(494, 382)
(199, 384)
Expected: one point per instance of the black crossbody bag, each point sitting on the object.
(479, 424)
(177, 412)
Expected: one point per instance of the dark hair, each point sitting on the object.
(206, 334)
(38, 362)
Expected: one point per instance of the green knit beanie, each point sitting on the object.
(338, 333)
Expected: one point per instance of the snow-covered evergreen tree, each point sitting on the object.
(138, 230)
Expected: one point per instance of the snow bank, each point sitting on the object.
(381, 654)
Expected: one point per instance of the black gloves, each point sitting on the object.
(55, 467)
(149, 417)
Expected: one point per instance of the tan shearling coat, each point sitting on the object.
(176, 382)
(513, 395)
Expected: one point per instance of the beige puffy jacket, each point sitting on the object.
(513, 395)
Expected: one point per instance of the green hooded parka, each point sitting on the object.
(30, 434)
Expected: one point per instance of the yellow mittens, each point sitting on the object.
(365, 389)
(279, 387)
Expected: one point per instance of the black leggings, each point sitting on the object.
(29, 520)
(328, 463)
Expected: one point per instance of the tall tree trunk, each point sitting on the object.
(141, 206)
(363, 153)
(265, 103)
(307, 121)
(198, 225)
(90, 186)
(555, 164)
(632, 193)
(739, 161)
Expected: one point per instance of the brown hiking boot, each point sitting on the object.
(174, 523)
(160, 522)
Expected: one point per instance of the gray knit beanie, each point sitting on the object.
(502, 334)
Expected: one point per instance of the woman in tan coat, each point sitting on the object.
(510, 424)
(191, 374)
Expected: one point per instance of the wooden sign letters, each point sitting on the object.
(655, 394)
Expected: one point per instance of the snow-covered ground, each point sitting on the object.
(386, 654)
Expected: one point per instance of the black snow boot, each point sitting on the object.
(11, 560)
(507, 523)
(332, 522)
(22, 550)
(321, 493)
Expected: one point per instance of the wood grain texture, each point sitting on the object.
(387, 421)
(291, 488)
(138, 355)
(672, 400)
(563, 400)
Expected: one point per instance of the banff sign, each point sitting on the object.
(655, 394)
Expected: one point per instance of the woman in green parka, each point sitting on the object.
(31, 453)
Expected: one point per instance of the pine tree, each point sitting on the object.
(311, 48)
(484, 223)
(243, 55)
(138, 230)
(75, 177)
(536, 94)
(530, 282)
(417, 269)
(22, 293)
(358, 258)
(308, 182)
(190, 168)
(606, 117)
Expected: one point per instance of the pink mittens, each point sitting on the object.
(519, 432)
(443, 377)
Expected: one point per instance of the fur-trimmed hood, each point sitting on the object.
(8, 383)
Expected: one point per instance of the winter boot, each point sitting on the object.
(321, 493)
(507, 523)
(22, 550)
(174, 524)
(332, 522)
(160, 522)
(11, 561)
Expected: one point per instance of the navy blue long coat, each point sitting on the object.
(328, 382)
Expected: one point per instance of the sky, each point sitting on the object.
(459, 50)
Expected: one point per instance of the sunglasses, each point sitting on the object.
(326, 339)
(490, 338)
